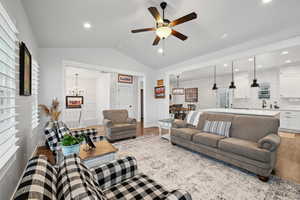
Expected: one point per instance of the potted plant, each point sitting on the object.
(71, 144)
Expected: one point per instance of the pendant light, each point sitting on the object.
(254, 84)
(215, 78)
(177, 90)
(232, 85)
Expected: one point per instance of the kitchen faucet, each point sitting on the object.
(264, 104)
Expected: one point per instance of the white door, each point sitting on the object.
(126, 99)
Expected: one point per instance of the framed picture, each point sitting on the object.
(191, 95)
(25, 70)
(159, 92)
(74, 101)
(160, 82)
(122, 78)
(178, 91)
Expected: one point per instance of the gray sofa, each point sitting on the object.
(252, 144)
(118, 125)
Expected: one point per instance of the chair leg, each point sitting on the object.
(263, 178)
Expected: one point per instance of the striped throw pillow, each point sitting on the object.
(221, 128)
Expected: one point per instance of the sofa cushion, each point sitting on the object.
(245, 148)
(116, 116)
(39, 181)
(208, 139)
(221, 128)
(185, 133)
(76, 181)
(122, 127)
(137, 187)
(253, 128)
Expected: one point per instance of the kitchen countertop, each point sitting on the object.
(269, 113)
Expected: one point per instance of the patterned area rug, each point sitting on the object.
(205, 178)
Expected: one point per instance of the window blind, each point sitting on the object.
(8, 60)
(35, 87)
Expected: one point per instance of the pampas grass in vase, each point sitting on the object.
(52, 111)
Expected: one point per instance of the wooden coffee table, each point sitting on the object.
(103, 153)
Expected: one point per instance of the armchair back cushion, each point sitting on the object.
(116, 116)
(115, 172)
(39, 180)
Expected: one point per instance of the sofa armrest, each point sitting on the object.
(269, 142)
(115, 172)
(131, 121)
(107, 123)
(179, 124)
(179, 195)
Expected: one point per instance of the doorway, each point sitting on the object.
(142, 104)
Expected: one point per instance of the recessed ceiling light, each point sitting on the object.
(87, 25)
(160, 50)
(236, 70)
(259, 66)
(225, 35)
(250, 59)
(284, 53)
(266, 1)
(225, 65)
(288, 61)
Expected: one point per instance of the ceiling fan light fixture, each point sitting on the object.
(163, 32)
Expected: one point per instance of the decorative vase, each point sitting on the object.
(73, 149)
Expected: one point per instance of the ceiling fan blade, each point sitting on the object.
(142, 30)
(154, 12)
(156, 41)
(184, 19)
(179, 35)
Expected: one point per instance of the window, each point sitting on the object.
(8, 60)
(35, 87)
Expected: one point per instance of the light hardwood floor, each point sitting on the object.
(288, 158)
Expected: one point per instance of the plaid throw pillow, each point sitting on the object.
(221, 128)
(39, 181)
(116, 172)
(75, 181)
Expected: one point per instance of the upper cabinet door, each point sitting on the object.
(290, 83)
(242, 90)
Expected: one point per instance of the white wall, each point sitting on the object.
(28, 138)
(51, 61)
(103, 95)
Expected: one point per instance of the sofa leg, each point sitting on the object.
(263, 178)
(133, 137)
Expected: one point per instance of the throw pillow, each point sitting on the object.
(221, 128)
(76, 181)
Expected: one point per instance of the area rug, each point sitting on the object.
(205, 178)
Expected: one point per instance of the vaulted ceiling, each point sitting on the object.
(59, 24)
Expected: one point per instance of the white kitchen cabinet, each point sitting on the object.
(288, 80)
(290, 120)
(242, 90)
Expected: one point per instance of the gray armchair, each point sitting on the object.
(118, 125)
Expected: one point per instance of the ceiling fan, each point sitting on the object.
(164, 27)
